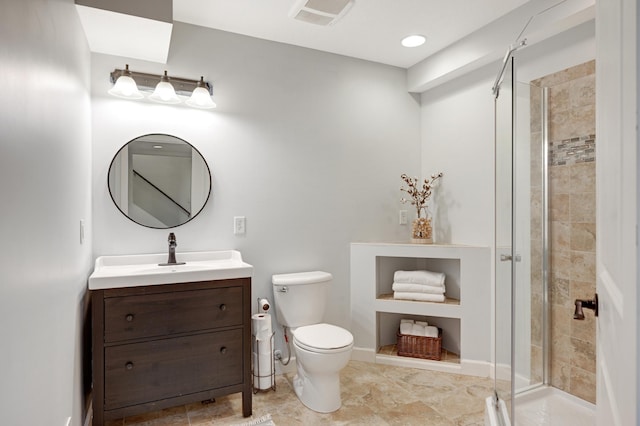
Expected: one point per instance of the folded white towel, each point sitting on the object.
(423, 323)
(423, 297)
(418, 288)
(406, 328)
(419, 277)
(431, 331)
(405, 320)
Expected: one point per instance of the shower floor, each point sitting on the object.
(550, 406)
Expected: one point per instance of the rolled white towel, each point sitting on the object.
(418, 288)
(423, 297)
(431, 331)
(406, 328)
(418, 330)
(419, 277)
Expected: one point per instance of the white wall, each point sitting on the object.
(309, 146)
(457, 139)
(45, 186)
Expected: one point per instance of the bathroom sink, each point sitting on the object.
(144, 269)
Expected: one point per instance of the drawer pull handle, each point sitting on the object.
(223, 350)
(223, 307)
(129, 317)
(129, 365)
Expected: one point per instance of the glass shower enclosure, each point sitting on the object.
(520, 302)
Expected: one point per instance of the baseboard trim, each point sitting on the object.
(363, 354)
(286, 369)
(466, 367)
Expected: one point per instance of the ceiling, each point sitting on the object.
(371, 30)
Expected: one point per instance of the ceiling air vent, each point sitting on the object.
(320, 12)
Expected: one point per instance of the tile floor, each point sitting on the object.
(372, 394)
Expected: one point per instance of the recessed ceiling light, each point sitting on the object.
(413, 40)
(157, 146)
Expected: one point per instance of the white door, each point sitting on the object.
(617, 211)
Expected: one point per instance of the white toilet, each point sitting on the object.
(321, 350)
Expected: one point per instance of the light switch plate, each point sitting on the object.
(239, 225)
(402, 217)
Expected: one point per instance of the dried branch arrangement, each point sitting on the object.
(418, 196)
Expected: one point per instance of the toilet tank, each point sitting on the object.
(300, 298)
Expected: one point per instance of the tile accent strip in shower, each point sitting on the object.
(580, 149)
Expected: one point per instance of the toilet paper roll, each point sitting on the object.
(262, 370)
(262, 327)
(262, 350)
(264, 305)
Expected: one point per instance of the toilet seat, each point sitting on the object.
(323, 338)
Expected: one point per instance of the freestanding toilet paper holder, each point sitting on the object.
(263, 377)
(257, 379)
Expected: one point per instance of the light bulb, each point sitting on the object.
(200, 98)
(126, 87)
(413, 41)
(164, 92)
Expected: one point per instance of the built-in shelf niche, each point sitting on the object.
(386, 266)
(389, 323)
(464, 316)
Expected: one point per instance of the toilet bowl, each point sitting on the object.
(321, 349)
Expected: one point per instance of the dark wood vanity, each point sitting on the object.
(159, 346)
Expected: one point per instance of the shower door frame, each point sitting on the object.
(503, 365)
(526, 237)
(513, 257)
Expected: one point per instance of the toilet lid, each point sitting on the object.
(323, 337)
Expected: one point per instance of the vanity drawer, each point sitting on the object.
(162, 314)
(151, 371)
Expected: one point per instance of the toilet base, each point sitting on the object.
(317, 383)
(323, 395)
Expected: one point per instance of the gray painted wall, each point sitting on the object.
(45, 163)
(309, 146)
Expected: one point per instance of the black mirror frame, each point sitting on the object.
(155, 227)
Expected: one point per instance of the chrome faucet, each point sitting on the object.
(172, 251)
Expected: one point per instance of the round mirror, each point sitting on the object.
(159, 181)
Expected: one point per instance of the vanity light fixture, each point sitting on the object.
(125, 86)
(413, 40)
(161, 88)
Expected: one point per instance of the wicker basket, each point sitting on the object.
(420, 346)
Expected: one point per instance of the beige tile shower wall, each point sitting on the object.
(572, 230)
